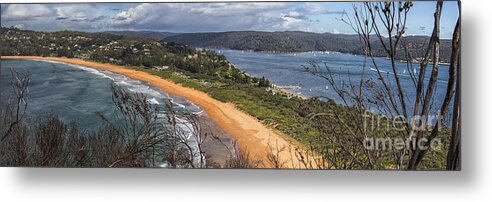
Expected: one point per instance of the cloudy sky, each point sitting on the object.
(208, 17)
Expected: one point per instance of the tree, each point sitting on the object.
(454, 157)
(386, 22)
(263, 82)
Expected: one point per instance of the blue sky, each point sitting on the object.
(210, 17)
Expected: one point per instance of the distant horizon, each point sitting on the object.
(315, 17)
(157, 31)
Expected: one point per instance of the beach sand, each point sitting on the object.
(251, 136)
(217, 145)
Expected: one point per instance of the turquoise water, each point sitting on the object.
(75, 93)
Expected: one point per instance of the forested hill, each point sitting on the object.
(295, 41)
(120, 50)
(269, 41)
(146, 34)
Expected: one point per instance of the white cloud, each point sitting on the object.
(78, 12)
(314, 8)
(317, 9)
(54, 17)
(15, 12)
(71, 11)
(237, 9)
(175, 17)
(19, 26)
(208, 17)
(291, 22)
(295, 14)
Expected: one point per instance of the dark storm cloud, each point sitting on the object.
(99, 18)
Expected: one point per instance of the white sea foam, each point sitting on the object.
(198, 113)
(189, 135)
(186, 132)
(177, 104)
(196, 108)
(153, 101)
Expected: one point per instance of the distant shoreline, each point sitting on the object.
(414, 61)
(252, 136)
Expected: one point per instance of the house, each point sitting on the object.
(193, 56)
(160, 68)
(146, 51)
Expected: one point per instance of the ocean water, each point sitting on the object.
(287, 70)
(75, 93)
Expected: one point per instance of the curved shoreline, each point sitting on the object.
(252, 136)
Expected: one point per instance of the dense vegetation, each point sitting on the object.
(147, 34)
(121, 50)
(295, 41)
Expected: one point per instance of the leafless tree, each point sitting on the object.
(20, 86)
(383, 24)
(454, 157)
(241, 158)
(274, 156)
(176, 140)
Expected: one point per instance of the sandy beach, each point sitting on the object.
(252, 136)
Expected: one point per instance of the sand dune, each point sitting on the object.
(251, 135)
